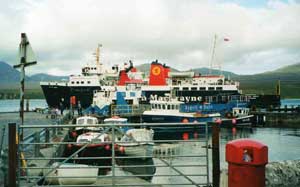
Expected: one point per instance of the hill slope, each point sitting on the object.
(8, 73)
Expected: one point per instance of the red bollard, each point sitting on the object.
(246, 163)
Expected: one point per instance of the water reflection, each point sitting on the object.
(229, 134)
(138, 167)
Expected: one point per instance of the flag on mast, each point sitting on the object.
(226, 39)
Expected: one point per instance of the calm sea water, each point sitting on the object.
(290, 102)
(283, 144)
(13, 105)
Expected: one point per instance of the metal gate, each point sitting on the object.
(177, 156)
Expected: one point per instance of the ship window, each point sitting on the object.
(211, 88)
(185, 88)
(176, 88)
(159, 106)
(82, 82)
(80, 121)
(176, 107)
(72, 82)
(168, 107)
(173, 107)
(193, 88)
(83, 140)
(219, 88)
(202, 88)
(89, 82)
(77, 82)
(90, 121)
(164, 107)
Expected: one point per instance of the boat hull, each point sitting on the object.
(139, 151)
(237, 122)
(72, 174)
(55, 93)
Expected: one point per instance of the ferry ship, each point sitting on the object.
(186, 87)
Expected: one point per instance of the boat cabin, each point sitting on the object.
(86, 120)
(115, 120)
(240, 111)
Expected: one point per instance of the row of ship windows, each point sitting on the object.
(200, 88)
(89, 68)
(162, 106)
(80, 82)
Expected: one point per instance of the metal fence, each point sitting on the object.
(114, 157)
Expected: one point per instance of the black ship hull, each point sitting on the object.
(54, 94)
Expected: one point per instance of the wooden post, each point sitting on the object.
(37, 146)
(23, 49)
(12, 155)
(216, 154)
(27, 105)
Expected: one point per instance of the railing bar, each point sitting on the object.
(116, 176)
(119, 157)
(123, 166)
(109, 142)
(141, 184)
(111, 125)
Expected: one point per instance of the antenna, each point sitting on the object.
(97, 55)
(213, 54)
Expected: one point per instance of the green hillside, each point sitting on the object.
(289, 77)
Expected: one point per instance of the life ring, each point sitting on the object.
(228, 115)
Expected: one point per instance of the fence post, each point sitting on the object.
(37, 146)
(216, 154)
(12, 155)
(47, 136)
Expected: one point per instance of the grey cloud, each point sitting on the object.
(179, 33)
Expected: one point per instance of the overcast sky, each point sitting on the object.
(263, 35)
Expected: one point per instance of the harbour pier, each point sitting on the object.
(278, 117)
(42, 154)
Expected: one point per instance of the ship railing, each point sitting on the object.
(177, 158)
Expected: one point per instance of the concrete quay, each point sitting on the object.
(278, 174)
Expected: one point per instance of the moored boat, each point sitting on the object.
(137, 143)
(238, 117)
(168, 110)
(72, 174)
(82, 126)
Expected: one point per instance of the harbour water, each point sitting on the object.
(13, 105)
(283, 144)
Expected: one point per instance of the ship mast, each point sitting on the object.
(97, 55)
(213, 54)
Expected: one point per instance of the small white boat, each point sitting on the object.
(137, 143)
(238, 117)
(118, 122)
(87, 120)
(72, 174)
